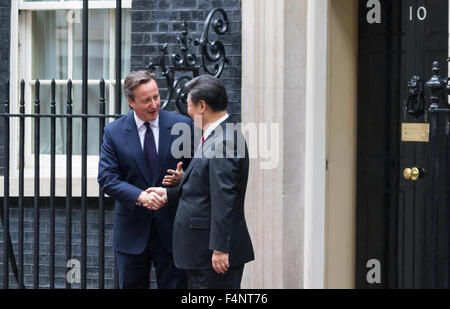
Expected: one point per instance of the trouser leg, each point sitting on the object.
(167, 275)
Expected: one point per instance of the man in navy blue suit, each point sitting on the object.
(136, 155)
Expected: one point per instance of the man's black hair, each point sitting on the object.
(210, 89)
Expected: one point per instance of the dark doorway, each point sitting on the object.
(403, 187)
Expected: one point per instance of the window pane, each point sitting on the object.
(45, 100)
(126, 42)
(98, 47)
(49, 45)
(93, 123)
(60, 0)
(61, 108)
(50, 33)
(126, 53)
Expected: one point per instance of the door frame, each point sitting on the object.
(315, 138)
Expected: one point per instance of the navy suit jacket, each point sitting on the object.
(123, 174)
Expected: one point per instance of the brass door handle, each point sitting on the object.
(407, 173)
(413, 173)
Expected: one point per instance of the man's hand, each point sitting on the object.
(152, 200)
(161, 192)
(220, 262)
(175, 177)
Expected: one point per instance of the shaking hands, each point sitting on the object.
(156, 198)
(152, 200)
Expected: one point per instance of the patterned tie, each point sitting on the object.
(151, 155)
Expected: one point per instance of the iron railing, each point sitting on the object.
(8, 256)
(184, 66)
(213, 62)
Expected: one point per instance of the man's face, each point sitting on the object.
(147, 102)
(195, 112)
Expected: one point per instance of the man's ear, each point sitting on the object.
(202, 105)
(130, 102)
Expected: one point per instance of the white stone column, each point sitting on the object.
(315, 145)
(274, 65)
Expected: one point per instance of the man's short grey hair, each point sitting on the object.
(134, 79)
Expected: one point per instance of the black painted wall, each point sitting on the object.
(155, 22)
(60, 242)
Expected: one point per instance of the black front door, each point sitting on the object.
(403, 190)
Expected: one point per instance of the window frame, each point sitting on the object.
(20, 67)
(67, 5)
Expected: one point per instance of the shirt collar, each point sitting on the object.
(140, 123)
(211, 128)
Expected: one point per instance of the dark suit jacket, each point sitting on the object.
(123, 174)
(209, 206)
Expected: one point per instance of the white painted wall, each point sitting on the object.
(284, 82)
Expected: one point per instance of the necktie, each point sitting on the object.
(151, 155)
(201, 142)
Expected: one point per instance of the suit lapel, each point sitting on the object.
(199, 153)
(134, 144)
(164, 144)
(189, 170)
(216, 136)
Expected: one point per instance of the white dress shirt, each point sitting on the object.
(211, 128)
(154, 125)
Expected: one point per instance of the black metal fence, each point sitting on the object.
(8, 256)
(213, 62)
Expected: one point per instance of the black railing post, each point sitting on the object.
(84, 146)
(37, 138)
(21, 181)
(437, 247)
(10, 265)
(118, 57)
(6, 194)
(69, 177)
(101, 212)
(52, 185)
(118, 78)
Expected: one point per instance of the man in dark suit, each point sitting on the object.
(211, 240)
(136, 154)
